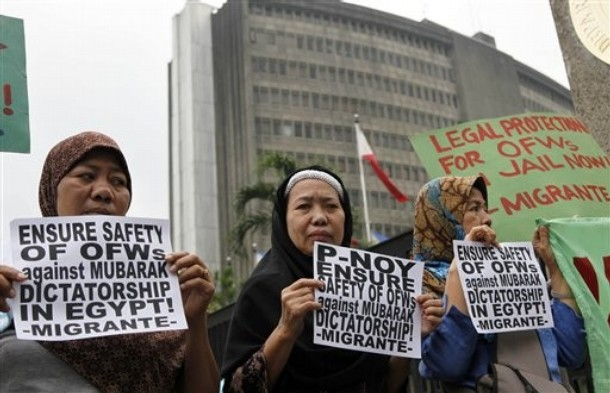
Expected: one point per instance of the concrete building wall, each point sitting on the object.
(194, 210)
(487, 79)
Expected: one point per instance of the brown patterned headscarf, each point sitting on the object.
(145, 362)
(439, 212)
(64, 156)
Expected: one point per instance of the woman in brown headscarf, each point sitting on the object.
(87, 174)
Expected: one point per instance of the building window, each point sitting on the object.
(320, 44)
(318, 131)
(298, 129)
(264, 95)
(375, 203)
(275, 96)
(342, 75)
(287, 129)
(338, 131)
(277, 127)
(332, 74)
(322, 72)
(352, 166)
(270, 38)
(348, 134)
(296, 99)
(328, 132)
(266, 126)
(315, 98)
(341, 164)
(308, 130)
(313, 71)
(335, 103)
(310, 43)
(305, 99)
(325, 101)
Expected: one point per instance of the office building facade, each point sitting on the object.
(255, 77)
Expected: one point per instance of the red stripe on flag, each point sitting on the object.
(400, 197)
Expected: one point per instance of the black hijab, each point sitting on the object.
(258, 309)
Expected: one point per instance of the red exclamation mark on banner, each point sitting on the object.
(8, 99)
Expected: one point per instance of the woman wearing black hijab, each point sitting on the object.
(270, 343)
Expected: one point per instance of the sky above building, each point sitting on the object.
(102, 65)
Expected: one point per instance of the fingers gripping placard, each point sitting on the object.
(368, 301)
(93, 276)
(504, 287)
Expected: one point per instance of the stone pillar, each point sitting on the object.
(588, 75)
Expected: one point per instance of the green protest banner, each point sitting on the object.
(535, 165)
(582, 249)
(14, 121)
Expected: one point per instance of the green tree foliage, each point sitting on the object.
(226, 290)
(260, 194)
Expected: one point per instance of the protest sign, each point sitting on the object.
(92, 276)
(368, 301)
(504, 287)
(534, 165)
(14, 121)
(582, 249)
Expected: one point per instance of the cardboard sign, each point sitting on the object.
(368, 302)
(92, 276)
(535, 165)
(14, 112)
(504, 287)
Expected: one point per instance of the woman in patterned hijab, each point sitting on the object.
(439, 211)
(88, 174)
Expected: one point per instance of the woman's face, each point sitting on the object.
(314, 213)
(96, 185)
(476, 211)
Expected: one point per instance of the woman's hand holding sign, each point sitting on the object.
(432, 312)
(484, 234)
(196, 283)
(7, 276)
(297, 300)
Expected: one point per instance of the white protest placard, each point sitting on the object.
(504, 287)
(368, 301)
(92, 276)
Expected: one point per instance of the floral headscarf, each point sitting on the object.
(439, 212)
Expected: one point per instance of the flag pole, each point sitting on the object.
(367, 225)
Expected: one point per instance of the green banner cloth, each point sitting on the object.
(535, 165)
(14, 112)
(582, 249)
